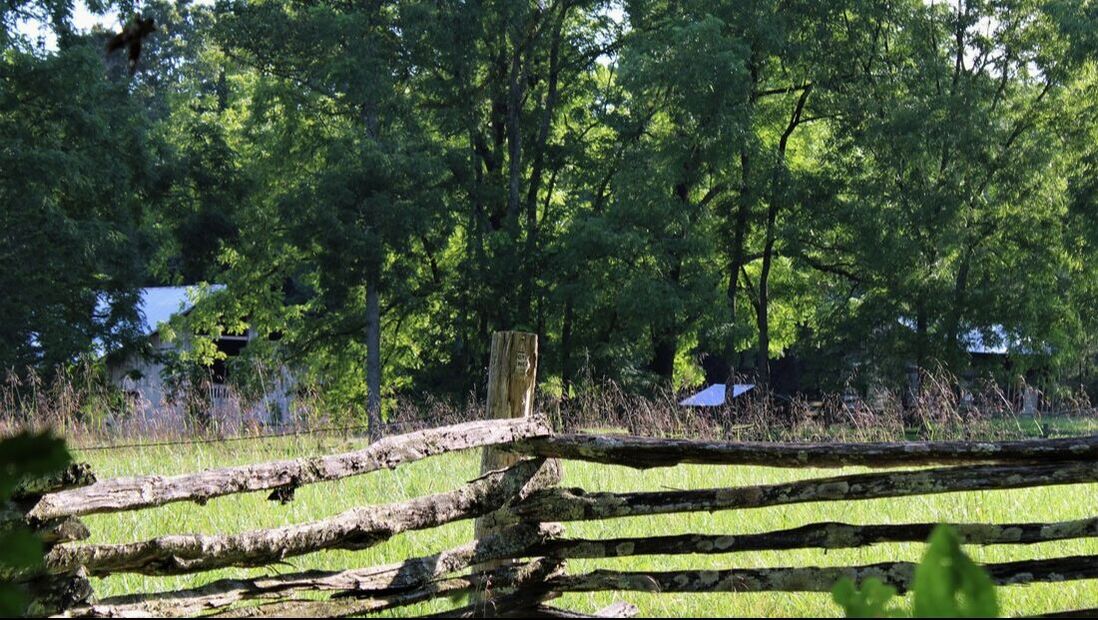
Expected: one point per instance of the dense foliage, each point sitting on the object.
(663, 191)
(947, 584)
(23, 457)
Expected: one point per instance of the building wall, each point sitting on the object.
(142, 376)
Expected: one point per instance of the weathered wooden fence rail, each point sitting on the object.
(647, 452)
(122, 494)
(517, 559)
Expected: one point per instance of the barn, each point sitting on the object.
(144, 374)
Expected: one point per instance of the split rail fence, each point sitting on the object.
(515, 563)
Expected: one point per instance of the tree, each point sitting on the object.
(684, 81)
(954, 211)
(75, 178)
(350, 172)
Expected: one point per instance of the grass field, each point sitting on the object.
(244, 512)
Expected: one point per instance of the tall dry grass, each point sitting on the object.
(81, 404)
(943, 407)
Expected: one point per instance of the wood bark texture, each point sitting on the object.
(647, 452)
(120, 494)
(358, 528)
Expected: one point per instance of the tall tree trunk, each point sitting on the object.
(665, 338)
(515, 90)
(515, 311)
(915, 376)
(922, 336)
(479, 223)
(762, 309)
(566, 346)
(739, 233)
(665, 330)
(373, 358)
(957, 308)
(373, 307)
(777, 198)
(530, 259)
(740, 229)
(664, 344)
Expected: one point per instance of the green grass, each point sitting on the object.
(251, 511)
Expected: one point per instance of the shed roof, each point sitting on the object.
(715, 395)
(993, 339)
(156, 305)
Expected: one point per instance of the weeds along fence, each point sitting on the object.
(517, 560)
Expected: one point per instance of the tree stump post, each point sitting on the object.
(512, 374)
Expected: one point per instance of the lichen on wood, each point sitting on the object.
(828, 535)
(358, 528)
(73, 476)
(571, 504)
(120, 494)
(410, 574)
(812, 579)
(647, 452)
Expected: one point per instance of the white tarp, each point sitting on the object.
(715, 395)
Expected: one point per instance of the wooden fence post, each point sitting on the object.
(512, 374)
(49, 594)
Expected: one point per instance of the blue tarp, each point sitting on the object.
(715, 395)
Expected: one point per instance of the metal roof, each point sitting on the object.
(158, 304)
(991, 340)
(715, 395)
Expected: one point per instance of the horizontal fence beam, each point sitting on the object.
(816, 535)
(508, 604)
(73, 476)
(1070, 613)
(407, 575)
(563, 504)
(354, 529)
(646, 452)
(68, 529)
(501, 581)
(50, 531)
(618, 609)
(365, 600)
(813, 579)
(122, 494)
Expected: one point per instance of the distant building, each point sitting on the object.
(144, 374)
(993, 349)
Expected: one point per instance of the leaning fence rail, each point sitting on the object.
(517, 560)
(122, 494)
(63, 586)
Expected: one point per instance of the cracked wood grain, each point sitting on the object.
(121, 494)
(358, 528)
(647, 452)
(563, 504)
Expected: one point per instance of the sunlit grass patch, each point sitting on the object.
(434, 475)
